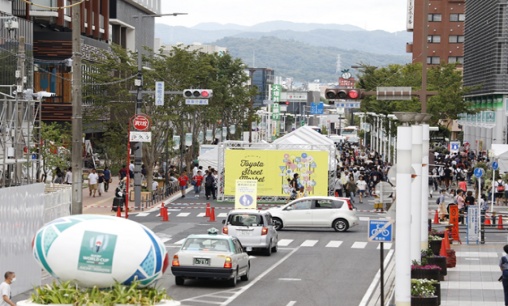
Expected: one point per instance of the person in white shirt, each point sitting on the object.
(93, 182)
(362, 186)
(68, 176)
(5, 289)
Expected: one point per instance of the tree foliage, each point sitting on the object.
(55, 147)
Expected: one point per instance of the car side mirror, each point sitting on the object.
(288, 208)
(223, 221)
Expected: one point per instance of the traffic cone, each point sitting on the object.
(207, 211)
(487, 220)
(212, 214)
(436, 218)
(164, 214)
(446, 241)
(119, 211)
(442, 251)
(500, 222)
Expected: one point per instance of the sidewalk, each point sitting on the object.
(473, 281)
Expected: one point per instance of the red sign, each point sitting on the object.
(347, 83)
(141, 122)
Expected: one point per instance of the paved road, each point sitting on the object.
(312, 267)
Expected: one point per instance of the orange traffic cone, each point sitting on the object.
(500, 222)
(119, 211)
(436, 218)
(164, 214)
(212, 214)
(442, 251)
(446, 240)
(487, 220)
(207, 211)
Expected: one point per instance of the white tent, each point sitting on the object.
(308, 139)
(210, 158)
(500, 152)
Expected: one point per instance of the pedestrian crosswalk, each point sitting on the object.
(308, 243)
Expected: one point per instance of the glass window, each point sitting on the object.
(433, 60)
(434, 39)
(337, 204)
(456, 59)
(323, 204)
(454, 39)
(245, 219)
(238, 246)
(304, 204)
(457, 17)
(206, 244)
(434, 17)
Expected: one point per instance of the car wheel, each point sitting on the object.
(268, 250)
(340, 225)
(232, 281)
(246, 276)
(277, 224)
(274, 248)
(179, 280)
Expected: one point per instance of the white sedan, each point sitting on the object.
(337, 213)
(211, 256)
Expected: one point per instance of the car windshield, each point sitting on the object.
(206, 244)
(245, 220)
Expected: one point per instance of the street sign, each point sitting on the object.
(159, 93)
(495, 165)
(141, 122)
(380, 230)
(275, 111)
(454, 146)
(317, 108)
(140, 136)
(196, 101)
(472, 229)
(276, 90)
(478, 172)
(347, 104)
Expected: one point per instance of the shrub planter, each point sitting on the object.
(425, 273)
(435, 245)
(30, 303)
(437, 286)
(424, 301)
(439, 261)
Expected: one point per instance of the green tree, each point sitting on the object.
(55, 149)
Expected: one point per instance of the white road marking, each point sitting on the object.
(180, 242)
(364, 218)
(291, 303)
(386, 246)
(284, 242)
(222, 215)
(183, 214)
(257, 279)
(359, 245)
(334, 244)
(309, 243)
(290, 279)
(201, 214)
(376, 280)
(143, 214)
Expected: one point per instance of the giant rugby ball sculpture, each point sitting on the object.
(94, 250)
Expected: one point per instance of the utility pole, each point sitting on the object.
(251, 103)
(77, 118)
(20, 78)
(138, 147)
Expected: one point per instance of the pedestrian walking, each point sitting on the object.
(183, 180)
(5, 289)
(503, 265)
(93, 181)
(100, 186)
(107, 178)
(361, 184)
(197, 180)
(338, 186)
(68, 176)
(209, 185)
(351, 189)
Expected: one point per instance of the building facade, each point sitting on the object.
(486, 73)
(445, 30)
(262, 78)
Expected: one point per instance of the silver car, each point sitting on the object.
(253, 228)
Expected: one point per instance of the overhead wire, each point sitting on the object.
(53, 7)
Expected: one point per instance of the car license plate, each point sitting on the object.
(202, 261)
(245, 233)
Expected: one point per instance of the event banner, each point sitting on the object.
(274, 168)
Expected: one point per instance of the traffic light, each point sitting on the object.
(283, 102)
(197, 93)
(343, 94)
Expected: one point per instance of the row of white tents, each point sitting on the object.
(305, 137)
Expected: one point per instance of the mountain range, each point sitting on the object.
(304, 51)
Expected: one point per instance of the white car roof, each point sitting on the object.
(247, 211)
(207, 236)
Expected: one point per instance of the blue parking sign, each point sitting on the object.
(380, 230)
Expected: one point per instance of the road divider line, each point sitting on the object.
(309, 243)
(257, 279)
(201, 215)
(334, 244)
(290, 279)
(359, 245)
(291, 303)
(183, 214)
(284, 242)
(222, 215)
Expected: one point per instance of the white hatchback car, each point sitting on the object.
(337, 213)
(254, 229)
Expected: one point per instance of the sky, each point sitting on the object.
(388, 15)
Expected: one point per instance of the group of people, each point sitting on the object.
(98, 182)
(208, 178)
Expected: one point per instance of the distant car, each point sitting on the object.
(211, 256)
(337, 213)
(254, 228)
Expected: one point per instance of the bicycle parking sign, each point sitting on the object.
(380, 231)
